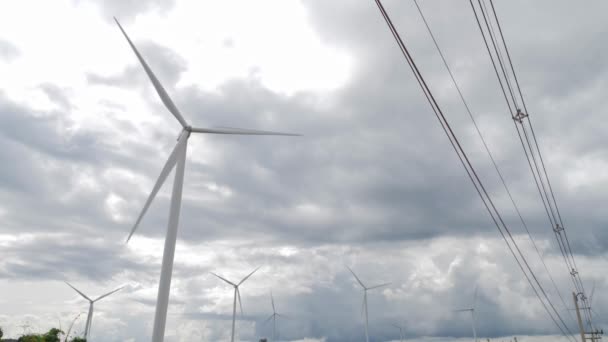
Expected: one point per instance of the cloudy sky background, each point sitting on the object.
(372, 183)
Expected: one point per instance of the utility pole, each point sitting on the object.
(595, 335)
(578, 317)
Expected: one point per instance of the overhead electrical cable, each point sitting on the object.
(529, 153)
(562, 235)
(532, 130)
(473, 176)
(533, 164)
(481, 137)
(557, 222)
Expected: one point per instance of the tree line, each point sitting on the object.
(53, 335)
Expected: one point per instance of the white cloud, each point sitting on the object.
(371, 183)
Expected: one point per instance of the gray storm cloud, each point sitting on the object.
(372, 184)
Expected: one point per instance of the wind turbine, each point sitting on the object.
(274, 316)
(472, 311)
(87, 327)
(237, 294)
(177, 157)
(400, 331)
(364, 308)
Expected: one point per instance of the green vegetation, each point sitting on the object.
(53, 335)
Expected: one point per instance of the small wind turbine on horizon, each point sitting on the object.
(177, 157)
(472, 311)
(400, 331)
(364, 308)
(87, 327)
(274, 316)
(237, 295)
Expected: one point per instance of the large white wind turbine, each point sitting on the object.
(177, 157)
(87, 327)
(237, 295)
(364, 308)
(472, 311)
(274, 316)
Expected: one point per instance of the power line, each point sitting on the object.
(473, 176)
(530, 156)
(490, 156)
(563, 241)
(563, 238)
(529, 152)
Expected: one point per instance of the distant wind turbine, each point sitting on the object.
(400, 331)
(177, 157)
(237, 295)
(472, 311)
(274, 316)
(87, 328)
(364, 308)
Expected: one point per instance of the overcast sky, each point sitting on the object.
(373, 182)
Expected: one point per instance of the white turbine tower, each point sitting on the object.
(400, 331)
(472, 311)
(364, 308)
(237, 295)
(177, 157)
(87, 327)
(274, 316)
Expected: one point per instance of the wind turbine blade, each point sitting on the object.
(249, 275)
(359, 280)
(274, 310)
(224, 279)
(159, 88)
(238, 292)
(592, 291)
(268, 319)
(82, 294)
(109, 293)
(238, 131)
(462, 310)
(171, 161)
(377, 286)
